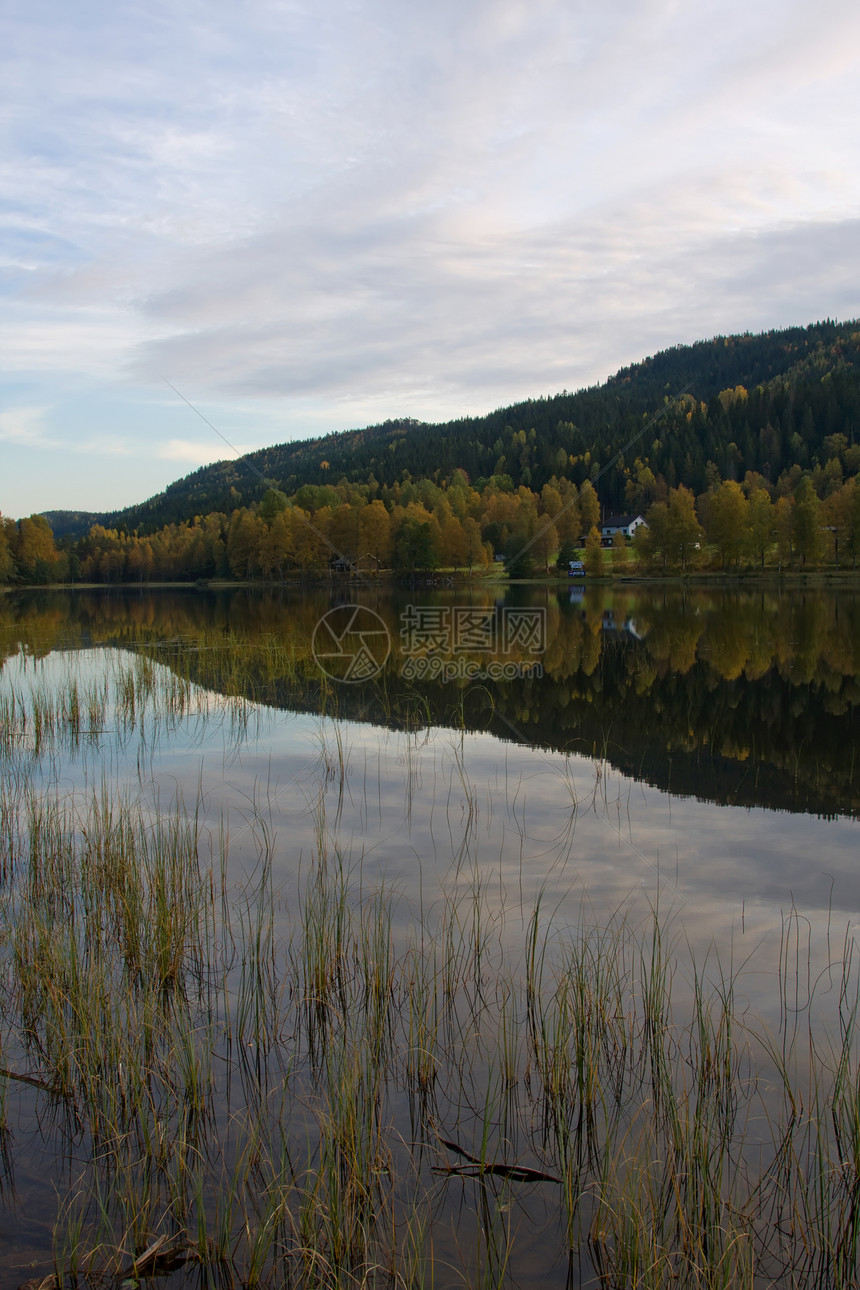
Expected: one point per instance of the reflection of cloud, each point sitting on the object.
(571, 834)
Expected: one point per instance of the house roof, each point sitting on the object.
(621, 521)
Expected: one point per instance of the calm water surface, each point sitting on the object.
(598, 753)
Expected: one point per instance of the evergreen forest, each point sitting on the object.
(740, 452)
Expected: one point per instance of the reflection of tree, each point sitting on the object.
(727, 644)
(674, 636)
(738, 697)
(808, 630)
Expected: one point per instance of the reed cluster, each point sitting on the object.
(61, 705)
(308, 1091)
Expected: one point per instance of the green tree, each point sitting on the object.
(568, 551)
(593, 555)
(806, 522)
(34, 551)
(762, 524)
(7, 562)
(589, 506)
(273, 503)
(728, 522)
(568, 521)
(550, 501)
(275, 546)
(244, 542)
(545, 543)
(476, 552)
(374, 533)
(642, 490)
(853, 530)
(454, 545)
(139, 561)
(520, 558)
(683, 532)
(783, 524)
(619, 550)
(651, 538)
(415, 547)
(837, 513)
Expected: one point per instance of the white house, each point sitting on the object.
(624, 524)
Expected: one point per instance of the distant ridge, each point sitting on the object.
(72, 523)
(799, 385)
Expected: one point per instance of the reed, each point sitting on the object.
(297, 1097)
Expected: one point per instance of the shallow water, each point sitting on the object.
(688, 754)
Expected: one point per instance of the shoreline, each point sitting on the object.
(448, 580)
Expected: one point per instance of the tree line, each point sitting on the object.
(807, 518)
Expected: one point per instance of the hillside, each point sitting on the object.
(752, 403)
(65, 524)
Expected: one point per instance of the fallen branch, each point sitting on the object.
(29, 1079)
(478, 1168)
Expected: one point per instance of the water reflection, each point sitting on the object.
(589, 781)
(595, 792)
(741, 698)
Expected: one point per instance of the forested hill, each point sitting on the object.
(762, 403)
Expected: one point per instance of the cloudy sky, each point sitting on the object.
(308, 215)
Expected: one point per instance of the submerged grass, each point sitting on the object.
(310, 1104)
(54, 705)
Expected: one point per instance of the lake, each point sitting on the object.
(430, 935)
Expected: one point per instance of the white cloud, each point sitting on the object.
(444, 206)
(24, 425)
(192, 452)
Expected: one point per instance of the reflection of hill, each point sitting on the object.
(790, 754)
(748, 700)
(752, 743)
